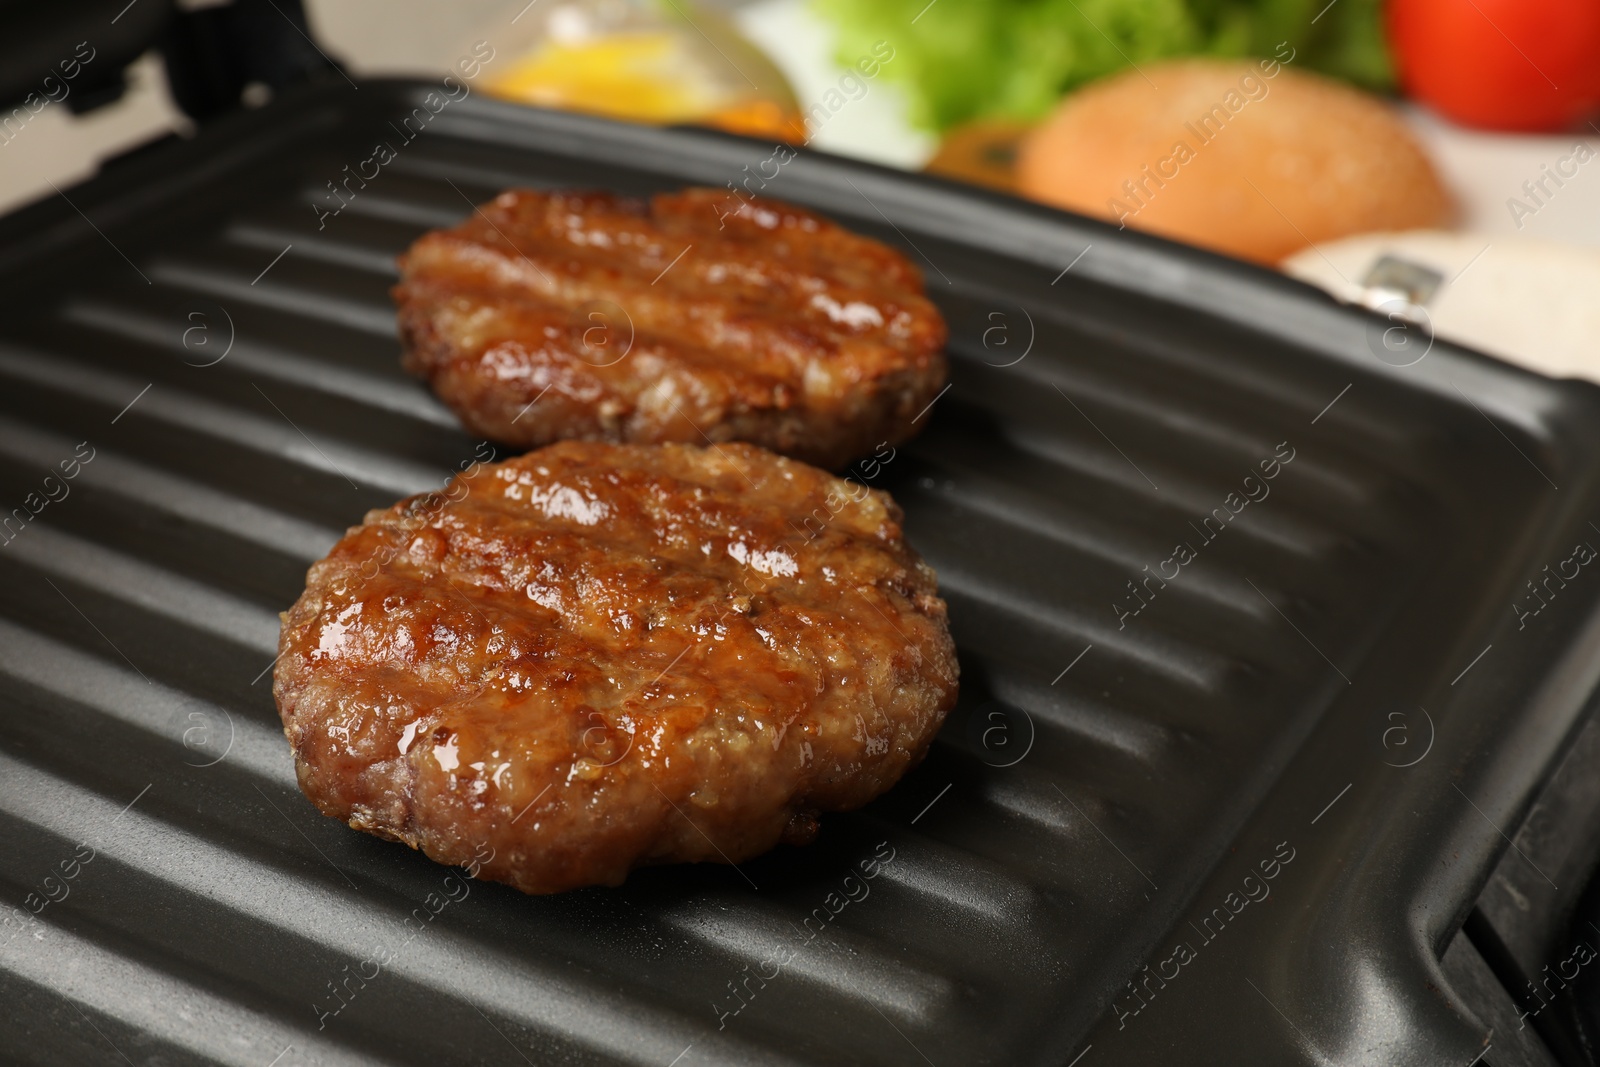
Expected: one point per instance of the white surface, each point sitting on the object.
(58, 146)
(1529, 302)
(873, 127)
(398, 37)
(1485, 170)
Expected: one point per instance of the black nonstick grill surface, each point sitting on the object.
(1220, 770)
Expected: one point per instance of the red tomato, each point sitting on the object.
(1504, 64)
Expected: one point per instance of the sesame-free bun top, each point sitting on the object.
(1246, 157)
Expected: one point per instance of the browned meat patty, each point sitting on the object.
(586, 315)
(595, 656)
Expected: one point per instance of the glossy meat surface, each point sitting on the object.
(693, 317)
(596, 656)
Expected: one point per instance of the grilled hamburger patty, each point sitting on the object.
(587, 315)
(596, 656)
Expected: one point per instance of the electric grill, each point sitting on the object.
(1232, 808)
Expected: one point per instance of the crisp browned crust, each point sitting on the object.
(548, 316)
(594, 657)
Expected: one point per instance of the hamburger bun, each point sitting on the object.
(1246, 157)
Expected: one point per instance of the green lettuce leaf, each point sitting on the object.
(969, 59)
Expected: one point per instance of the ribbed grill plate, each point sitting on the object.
(1103, 784)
